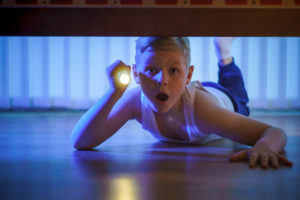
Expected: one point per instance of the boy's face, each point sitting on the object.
(162, 75)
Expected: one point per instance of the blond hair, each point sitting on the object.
(164, 43)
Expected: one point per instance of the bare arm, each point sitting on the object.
(267, 141)
(105, 117)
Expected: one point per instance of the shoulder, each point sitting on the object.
(206, 107)
(204, 98)
(201, 94)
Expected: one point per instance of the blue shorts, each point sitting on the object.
(231, 83)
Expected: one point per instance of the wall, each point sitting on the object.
(69, 72)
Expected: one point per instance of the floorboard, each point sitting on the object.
(37, 161)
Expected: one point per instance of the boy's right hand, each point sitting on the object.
(113, 72)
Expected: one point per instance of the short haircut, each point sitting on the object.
(164, 43)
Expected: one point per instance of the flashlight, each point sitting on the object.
(124, 77)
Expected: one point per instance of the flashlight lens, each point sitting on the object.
(124, 79)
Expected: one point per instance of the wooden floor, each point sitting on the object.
(37, 161)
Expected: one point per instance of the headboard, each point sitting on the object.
(150, 17)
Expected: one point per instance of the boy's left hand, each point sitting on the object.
(266, 158)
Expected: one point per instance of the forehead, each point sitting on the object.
(162, 57)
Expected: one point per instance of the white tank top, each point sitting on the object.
(194, 135)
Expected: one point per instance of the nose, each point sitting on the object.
(161, 78)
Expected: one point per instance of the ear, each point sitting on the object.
(190, 74)
(135, 74)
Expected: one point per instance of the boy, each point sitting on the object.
(174, 109)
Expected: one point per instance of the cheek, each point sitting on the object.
(146, 82)
(178, 86)
(179, 79)
(144, 78)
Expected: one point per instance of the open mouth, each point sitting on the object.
(162, 97)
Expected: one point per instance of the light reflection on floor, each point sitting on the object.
(123, 187)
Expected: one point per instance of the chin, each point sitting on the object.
(161, 110)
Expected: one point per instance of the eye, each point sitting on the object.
(174, 70)
(152, 70)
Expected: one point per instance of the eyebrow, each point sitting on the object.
(176, 63)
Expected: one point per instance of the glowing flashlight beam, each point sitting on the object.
(124, 78)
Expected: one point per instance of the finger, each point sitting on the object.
(118, 63)
(274, 161)
(239, 156)
(284, 160)
(129, 69)
(264, 160)
(253, 160)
